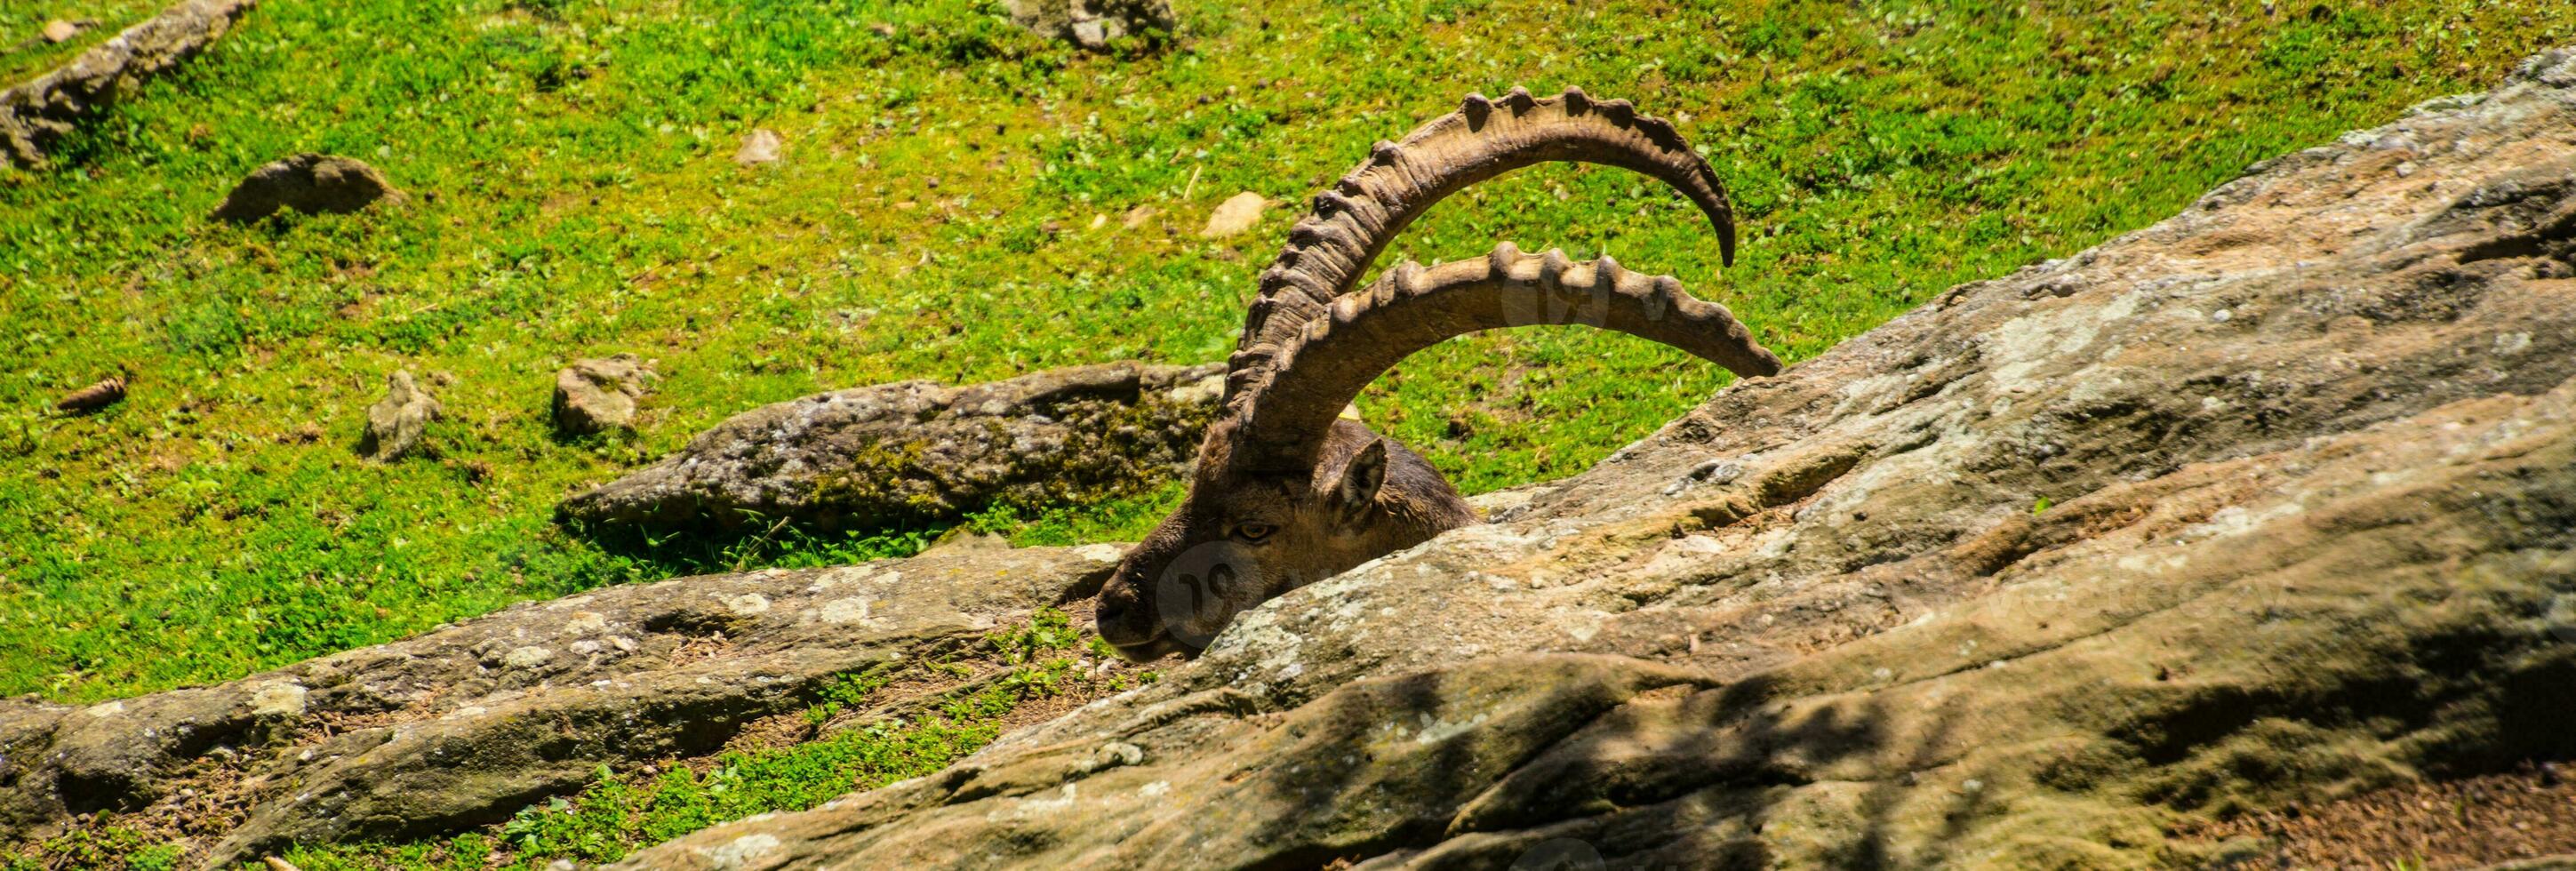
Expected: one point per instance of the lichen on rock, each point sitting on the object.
(918, 452)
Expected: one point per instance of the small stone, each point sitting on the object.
(59, 31)
(397, 423)
(1234, 216)
(599, 395)
(1136, 217)
(1091, 34)
(307, 183)
(761, 145)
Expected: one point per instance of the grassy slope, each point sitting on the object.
(573, 197)
(24, 55)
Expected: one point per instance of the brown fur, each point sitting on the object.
(1193, 573)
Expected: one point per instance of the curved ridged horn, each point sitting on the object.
(1289, 408)
(1330, 248)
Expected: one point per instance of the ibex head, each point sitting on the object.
(1288, 490)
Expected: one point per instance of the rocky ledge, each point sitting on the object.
(36, 114)
(467, 724)
(916, 451)
(2272, 501)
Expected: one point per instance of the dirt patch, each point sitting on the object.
(2466, 823)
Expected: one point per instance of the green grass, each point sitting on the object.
(25, 55)
(573, 197)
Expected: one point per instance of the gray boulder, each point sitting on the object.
(918, 451)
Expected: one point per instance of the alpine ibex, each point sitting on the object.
(1288, 490)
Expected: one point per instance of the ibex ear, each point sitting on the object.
(1361, 478)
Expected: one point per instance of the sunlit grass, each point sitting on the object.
(934, 218)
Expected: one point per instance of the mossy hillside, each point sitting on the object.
(935, 218)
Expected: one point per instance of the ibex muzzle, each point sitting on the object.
(1288, 491)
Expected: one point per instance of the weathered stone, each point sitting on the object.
(1237, 215)
(59, 31)
(2324, 541)
(761, 145)
(1092, 24)
(396, 423)
(915, 450)
(598, 395)
(307, 183)
(467, 724)
(36, 114)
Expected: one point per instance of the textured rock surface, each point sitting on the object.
(307, 183)
(599, 394)
(917, 450)
(397, 423)
(2310, 454)
(35, 114)
(1091, 24)
(468, 724)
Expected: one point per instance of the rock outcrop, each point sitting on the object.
(36, 114)
(917, 451)
(2271, 501)
(598, 395)
(308, 183)
(468, 724)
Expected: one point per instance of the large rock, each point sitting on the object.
(36, 114)
(915, 450)
(1092, 24)
(599, 394)
(2308, 459)
(468, 724)
(308, 183)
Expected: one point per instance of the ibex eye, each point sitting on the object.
(1254, 531)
